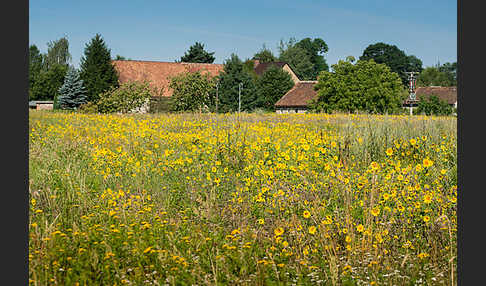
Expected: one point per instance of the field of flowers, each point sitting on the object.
(204, 199)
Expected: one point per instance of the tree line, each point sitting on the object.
(375, 83)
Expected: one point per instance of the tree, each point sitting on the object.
(394, 58)
(271, 86)
(36, 61)
(97, 72)
(229, 79)
(47, 83)
(58, 53)
(451, 70)
(364, 86)
(433, 76)
(197, 54)
(297, 58)
(264, 55)
(432, 105)
(315, 50)
(193, 91)
(72, 93)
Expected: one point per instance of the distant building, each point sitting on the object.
(158, 74)
(445, 93)
(297, 99)
(260, 68)
(41, 105)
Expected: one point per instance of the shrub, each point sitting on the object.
(129, 97)
(432, 105)
(89, 107)
(193, 91)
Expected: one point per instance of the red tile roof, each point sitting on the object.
(158, 73)
(299, 96)
(446, 93)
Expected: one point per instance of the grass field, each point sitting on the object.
(242, 200)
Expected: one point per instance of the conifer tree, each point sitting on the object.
(229, 79)
(72, 93)
(97, 71)
(197, 54)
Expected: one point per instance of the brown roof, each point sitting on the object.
(299, 96)
(158, 73)
(446, 93)
(260, 68)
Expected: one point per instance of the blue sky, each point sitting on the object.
(164, 30)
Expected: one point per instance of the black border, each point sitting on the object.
(15, 212)
(470, 213)
(471, 110)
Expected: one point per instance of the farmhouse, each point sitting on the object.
(158, 74)
(296, 100)
(445, 93)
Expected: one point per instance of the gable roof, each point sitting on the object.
(446, 93)
(299, 96)
(158, 73)
(260, 68)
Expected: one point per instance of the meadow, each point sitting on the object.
(206, 199)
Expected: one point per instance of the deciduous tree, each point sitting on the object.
(394, 58)
(364, 86)
(193, 91)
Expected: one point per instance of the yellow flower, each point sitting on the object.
(278, 231)
(426, 218)
(375, 166)
(389, 151)
(427, 162)
(147, 249)
(306, 214)
(375, 211)
(260, 221)
(422, 255)
(312, 229)
(360, 228)
(348, 239)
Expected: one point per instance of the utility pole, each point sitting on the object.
(412, 80)
(239, 96)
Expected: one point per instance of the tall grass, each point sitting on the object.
(241, 199)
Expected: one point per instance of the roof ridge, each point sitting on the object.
(185, 63)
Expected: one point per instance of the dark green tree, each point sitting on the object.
(97, 72)
(229, 79)
(36, 61)
(433, 105)
(72, 93)
(197, 54)
(58, 53)
(364, 86)
(315, 50)
(271, 86)
(394, 58)
(297, 58)
(47, 83)
(264, 55)
(433, 76)
(193, 91)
